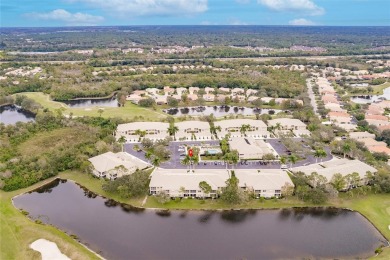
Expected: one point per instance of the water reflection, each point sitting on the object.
(206, 217)
(237, 216)
(163, 213)
(48, 188)
(120, 231)
(104, 102)
(219, 111)
(10, 115)
(366, 99)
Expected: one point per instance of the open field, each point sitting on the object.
(17, 232)
(54, 140)
(128, 112)
(375, 207)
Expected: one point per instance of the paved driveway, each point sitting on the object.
(174, 161)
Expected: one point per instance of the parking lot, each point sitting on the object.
(175, 161)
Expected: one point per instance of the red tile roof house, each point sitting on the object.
(340, 117)
(384, 127)
(374, 109)
(329, 99)
(377, 120)
(384, 104)
(379, 149)
(328, 92)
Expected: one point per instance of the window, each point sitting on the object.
(192, 191)
(277, 191)
(264, 190)
(152, 188)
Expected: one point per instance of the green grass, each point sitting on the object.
(128, 112)
(17, 232)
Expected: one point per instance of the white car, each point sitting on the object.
(283, 166)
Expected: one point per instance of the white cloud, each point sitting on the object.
(149, 7)
(304, 6)
(301, 21)
(62, 15)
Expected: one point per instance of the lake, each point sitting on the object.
(366, 99)
(119, 231)
(90, 102)
(11, 114)
(218, 111)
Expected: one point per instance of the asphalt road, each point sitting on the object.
(312, 96)
(174, 162)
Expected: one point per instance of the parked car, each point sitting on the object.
(283, 166)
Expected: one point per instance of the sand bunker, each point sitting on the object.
(49, 250)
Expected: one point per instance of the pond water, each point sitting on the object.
(119, 231)
(365, 99)
(218, 111)
(9, 115)
(104, 102)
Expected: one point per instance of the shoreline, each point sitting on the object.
(63, 231)
(6, 104)
(85, 98)
(191, 209)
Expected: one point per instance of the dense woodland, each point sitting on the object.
(31, 152)
(338, 40)
(68, 81)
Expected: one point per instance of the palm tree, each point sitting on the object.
(323, 154)
(195, 160)
(136, 148)
(140, 133)
(186, 160)
(235, 157)
(278, 126)
(172, 130)
(244, 128)
(148, 155)
(317, 154)
(156, 161)
(346, 148)
(218, 128)
(122, 141)
(292, 159)
(283, 159)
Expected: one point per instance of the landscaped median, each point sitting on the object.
(20, 232)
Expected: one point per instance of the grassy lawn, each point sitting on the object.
(17, 232)
(128, 112)
(20, 231)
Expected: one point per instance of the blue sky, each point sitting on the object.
(194, 12)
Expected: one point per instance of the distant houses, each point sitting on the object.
(241, 127)
(193, 130)
(133, 132)
(201, 130)
(289, 125)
